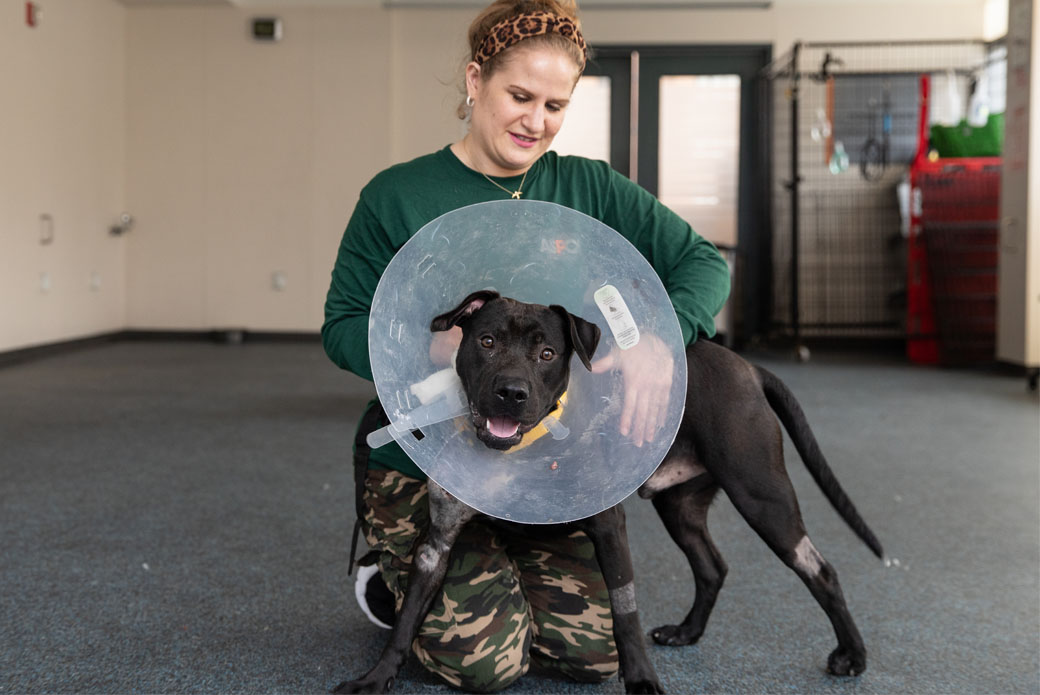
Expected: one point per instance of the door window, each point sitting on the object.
(699, 152)
(586, 127)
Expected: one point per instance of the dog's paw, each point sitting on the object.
(647, 686)
(843, 662)
(675, 635)
(363, 686)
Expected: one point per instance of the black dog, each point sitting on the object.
(514, 364)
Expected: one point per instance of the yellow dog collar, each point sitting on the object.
(539, 430)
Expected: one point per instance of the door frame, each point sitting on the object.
(754, 229)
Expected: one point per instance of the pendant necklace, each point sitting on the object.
(515, 195)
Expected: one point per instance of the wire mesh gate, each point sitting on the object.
(846, 122)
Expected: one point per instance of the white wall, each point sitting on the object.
(239, 159)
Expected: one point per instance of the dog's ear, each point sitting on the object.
(463, 311)
(584, 335)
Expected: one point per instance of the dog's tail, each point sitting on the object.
(793, 418)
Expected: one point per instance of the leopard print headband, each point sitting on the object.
(511, 31)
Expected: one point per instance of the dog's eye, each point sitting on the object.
(548, 354)
(487, 342)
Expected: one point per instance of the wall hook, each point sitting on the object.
(124, 225)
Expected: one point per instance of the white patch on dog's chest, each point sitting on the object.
(674, 470)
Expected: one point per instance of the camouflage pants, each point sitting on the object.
(506, 599)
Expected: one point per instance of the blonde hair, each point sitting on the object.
(502, 10)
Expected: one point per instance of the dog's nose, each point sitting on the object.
(513, 391)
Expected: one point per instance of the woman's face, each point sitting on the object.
(519, 109)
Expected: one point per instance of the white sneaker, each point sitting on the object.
(374, 597)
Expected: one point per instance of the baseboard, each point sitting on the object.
(37, 352)
(230, 336)
(226, 336)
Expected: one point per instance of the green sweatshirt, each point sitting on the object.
(402, 199)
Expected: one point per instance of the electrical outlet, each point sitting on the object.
(278, 281)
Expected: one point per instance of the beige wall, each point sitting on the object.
(62, 150)
(240, 160)
(245, 160)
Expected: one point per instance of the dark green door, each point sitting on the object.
(688, 123)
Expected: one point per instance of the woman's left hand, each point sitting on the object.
(647, 369)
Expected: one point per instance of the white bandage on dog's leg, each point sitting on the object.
(435, 385)
(623, 600)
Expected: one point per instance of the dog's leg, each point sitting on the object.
(770, 507)
(447, 518)
(610, 539)
(741, 446)
(684, 511)
(850, 656)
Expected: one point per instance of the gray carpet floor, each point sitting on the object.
(176, 518)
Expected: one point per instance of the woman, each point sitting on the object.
(507, 601)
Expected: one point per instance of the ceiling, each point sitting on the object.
(620, 4)
(584, 4)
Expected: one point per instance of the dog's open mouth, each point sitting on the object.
(501, 431)
(502, 427)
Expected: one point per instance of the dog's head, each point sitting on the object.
(514, 361)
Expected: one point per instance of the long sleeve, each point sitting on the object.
(694, 273)
(363, 255)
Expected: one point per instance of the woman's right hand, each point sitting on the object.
(647, 370)
(444, 345)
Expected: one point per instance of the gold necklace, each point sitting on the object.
(515, 195)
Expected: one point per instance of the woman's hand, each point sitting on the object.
(648, 369)
(444, 345)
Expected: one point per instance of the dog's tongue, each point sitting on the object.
(502, 427)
